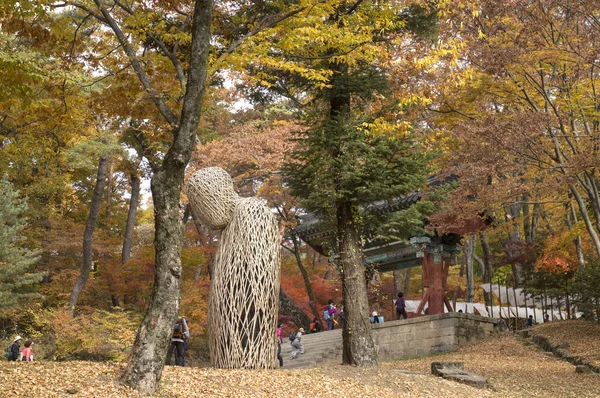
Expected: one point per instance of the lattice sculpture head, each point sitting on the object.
(211, 193)
(244, 293)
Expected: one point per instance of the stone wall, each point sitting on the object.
(430, 334)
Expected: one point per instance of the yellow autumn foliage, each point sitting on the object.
(96, 335)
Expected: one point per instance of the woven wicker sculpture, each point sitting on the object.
(244, 294)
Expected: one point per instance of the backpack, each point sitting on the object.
(292, 336)
(8, 353)
(178, 329)
(326, 315)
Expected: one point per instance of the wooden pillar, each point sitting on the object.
(435, 276)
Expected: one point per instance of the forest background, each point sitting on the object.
(502, 96)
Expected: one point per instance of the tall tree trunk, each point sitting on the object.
(135, 182)
(515, 242)
(591, 188)
(88, 233)
(130, 225)
(537, 209)
(289, 308)
(487, 257)
(526, 221)
(145, 366)
(109, 186)
(358, 343)
(586, 219)
(311, 295)
(406, 282)
(397, 281)
(152, 341)
(359, 347)
(469, 250)
(577, 241)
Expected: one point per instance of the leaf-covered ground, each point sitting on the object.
(516, 368)
(513, 369)
(583, 338)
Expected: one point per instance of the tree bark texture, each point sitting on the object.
(586, 218)
(515, 242)
(287, 307)
(144, 369)
(109, 187)
(130, 225)
(88, 233)
(359, 347)
(469, 250)
(577, 240)
(401, 283)
(145, 366)
(487, 257)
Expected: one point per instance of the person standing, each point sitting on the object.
(27, 355)
(329, 314)
(180, 334)
(15, 348)
(279, 341)
(297, 346)
(400, 307)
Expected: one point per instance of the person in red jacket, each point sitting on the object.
(27, 354)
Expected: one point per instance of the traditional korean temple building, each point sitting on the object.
(434, 253)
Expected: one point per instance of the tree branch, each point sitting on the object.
(135, 63)
(259, 29)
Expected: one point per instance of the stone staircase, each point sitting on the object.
(406, 338)
(323, 348)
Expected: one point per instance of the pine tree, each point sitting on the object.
(16, 260)
(339, 169)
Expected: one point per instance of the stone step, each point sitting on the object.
(321, 354)
(322, 336)
(315, 354)
(314, 347)
(333, 337)
(320, 349)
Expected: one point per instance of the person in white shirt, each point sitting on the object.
(297, 346)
